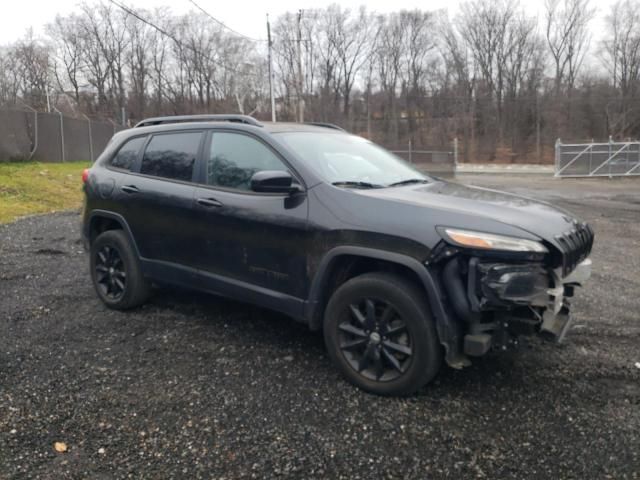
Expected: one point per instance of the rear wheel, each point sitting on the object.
(116, 273)
(379, 332)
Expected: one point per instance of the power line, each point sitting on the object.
(143, 20)
(176, 40)
(225, 25)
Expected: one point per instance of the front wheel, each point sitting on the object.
(379, 332)
(116, 273)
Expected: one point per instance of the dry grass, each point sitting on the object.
(29, 187)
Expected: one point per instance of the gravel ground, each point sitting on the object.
(192, 386)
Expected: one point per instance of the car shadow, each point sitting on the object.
(495, 371)
(215, 311)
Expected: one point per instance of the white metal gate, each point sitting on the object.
(597, 159)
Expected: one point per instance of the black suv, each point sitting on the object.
(400, 270)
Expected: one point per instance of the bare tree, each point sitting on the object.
(389, 56)
(621, 53)
(408, 75)
(622, 46)
(138, 59)
(10, 76)
(92, 30)
(33, 67)
(328, 60)
(200, 59)
(566, 27)
(457, 80)
(500, 38)
(159, 54)
(68, 50)
(419, 43)
(350, 37)
(286, 58)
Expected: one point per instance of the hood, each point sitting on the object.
(535, 217)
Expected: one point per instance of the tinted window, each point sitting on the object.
(234, 158)
(171, 155)
(128, 153)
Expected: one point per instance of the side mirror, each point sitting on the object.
(273, 181)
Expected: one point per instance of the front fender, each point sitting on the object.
(447, 328)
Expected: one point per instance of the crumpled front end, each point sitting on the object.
(497, 300)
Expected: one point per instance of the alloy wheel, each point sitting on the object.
(375, 340)
(111, 276)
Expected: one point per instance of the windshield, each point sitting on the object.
(350, 161)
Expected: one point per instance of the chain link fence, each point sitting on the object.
(51, 137)
(441, 161)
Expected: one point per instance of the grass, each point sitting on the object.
(27, 188)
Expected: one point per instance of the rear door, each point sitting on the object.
(160, 198)
(118, 172)
(255, 238)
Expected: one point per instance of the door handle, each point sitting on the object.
(208, 202)
(129, 189)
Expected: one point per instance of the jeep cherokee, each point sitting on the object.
(399, 269)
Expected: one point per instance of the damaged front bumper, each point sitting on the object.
(499, 302)
(557, 321)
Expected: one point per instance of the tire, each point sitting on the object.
(379, 333)
(115, 271)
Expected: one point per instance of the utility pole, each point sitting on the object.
(273, 100)
(369, 75)
(538, 147)
(300, 99)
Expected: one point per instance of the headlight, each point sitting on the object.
(490, 241)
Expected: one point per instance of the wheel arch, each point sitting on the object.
(342, 263)
(334, 261)
(102, 220)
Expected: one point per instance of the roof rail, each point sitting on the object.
(326, 125)
(199, 118)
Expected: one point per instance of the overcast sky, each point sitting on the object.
(245, 16)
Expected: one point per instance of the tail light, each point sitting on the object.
(85, 175)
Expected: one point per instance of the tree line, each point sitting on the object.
(505, 83)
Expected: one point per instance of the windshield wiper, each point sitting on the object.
(408, 182)
(347, 183)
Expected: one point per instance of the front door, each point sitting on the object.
(253, 238)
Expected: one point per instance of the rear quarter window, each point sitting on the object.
(128, 154)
